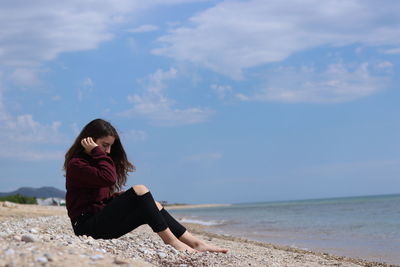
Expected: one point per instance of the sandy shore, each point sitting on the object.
(33, 235)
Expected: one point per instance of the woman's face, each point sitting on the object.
(105, 143)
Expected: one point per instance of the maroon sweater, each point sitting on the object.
(89, 179)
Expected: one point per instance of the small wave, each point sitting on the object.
(201, 222)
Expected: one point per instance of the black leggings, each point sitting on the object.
(125, 213)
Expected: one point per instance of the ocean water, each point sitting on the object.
(361, 227)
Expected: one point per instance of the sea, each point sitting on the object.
(365, 227)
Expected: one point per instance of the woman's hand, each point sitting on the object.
(88, 144)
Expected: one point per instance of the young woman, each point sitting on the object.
(96, 168)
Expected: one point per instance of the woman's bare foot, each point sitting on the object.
(203, 247)
(178, 245)
(198, 244)
(170, 239)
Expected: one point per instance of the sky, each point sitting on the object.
(215, 101)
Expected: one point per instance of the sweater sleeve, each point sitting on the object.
(100, 172)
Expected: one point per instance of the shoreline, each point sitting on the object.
(243, 252)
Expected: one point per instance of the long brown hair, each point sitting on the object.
(96, 129)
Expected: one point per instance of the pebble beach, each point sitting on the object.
(32, 235)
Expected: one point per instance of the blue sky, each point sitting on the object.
(216, 101)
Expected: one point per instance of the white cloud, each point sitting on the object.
(144, 28)
(235, 35)
(393, 51)
(339, 83)
(221, 90)
(134, 136)
(33, 32)
(26, 76)
(385, 65)
(36, 31)
(23, 138)
(159, 109)
(85, 89)
(24, 129)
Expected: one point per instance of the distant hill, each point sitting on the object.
(42, 192)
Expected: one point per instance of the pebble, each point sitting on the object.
(33, 231)
(119, 261)
(143, 250)
(41, 259)
(9, 251)
(97, 257)
(3, 234)
(101, 250)
(28, 238)
(89, 242)
(49, 257)
(162, 255)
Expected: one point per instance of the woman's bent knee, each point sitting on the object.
(140, 189)
(159, 206)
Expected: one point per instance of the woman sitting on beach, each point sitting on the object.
(96, 169)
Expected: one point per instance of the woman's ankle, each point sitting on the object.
(167, 236)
